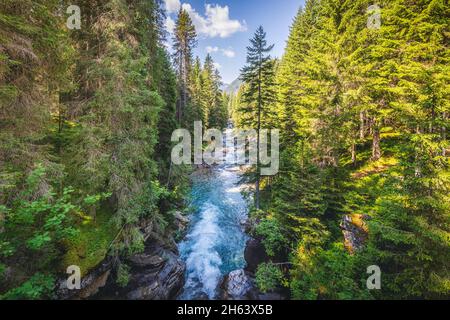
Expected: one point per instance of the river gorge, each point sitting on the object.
(215, 243)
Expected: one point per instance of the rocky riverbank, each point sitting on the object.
(155, 274)
(240, 284)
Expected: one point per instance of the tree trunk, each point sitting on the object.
(417, 169)
(180, 88)
(353, 153)
(258, 138)
(444, 134)
(376, 149)
(185, 84)
(362, 126)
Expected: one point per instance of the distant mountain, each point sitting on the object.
(224, 86)
(233, 87)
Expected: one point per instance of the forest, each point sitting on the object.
(87, 115)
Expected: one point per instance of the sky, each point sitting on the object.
(224, 27)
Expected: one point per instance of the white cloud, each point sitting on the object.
(210, 49)
(170, 24)
(172, 5)
(229, 53)
(216, 22)
(220, 22)
(217, 65)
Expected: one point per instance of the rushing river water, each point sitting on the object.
(215, 243)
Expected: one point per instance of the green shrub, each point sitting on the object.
(273, 237)
(37, 287)
(123, 275)
(268, 277)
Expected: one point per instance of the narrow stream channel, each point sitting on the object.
(215, 242)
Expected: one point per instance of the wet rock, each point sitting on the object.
(254, 254)
(181, 221)
(202, 297)
(239, 285)
(157, 274)
(247, 224)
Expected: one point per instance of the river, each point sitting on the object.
(215, 243)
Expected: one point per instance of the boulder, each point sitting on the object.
(238, 285)
(157, 274)
(144, 260)
(181, 221)
(254, 254)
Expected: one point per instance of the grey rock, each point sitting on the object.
(181, 218)
(238, 285)
(181, 221)
(146, 261)
(158, 274)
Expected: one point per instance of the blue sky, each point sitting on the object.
(224, 27)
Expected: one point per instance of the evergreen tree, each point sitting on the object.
(214, 109)
(86, 118)
(197, 84)
(339, 81)
(259, 97)
(90, 118)
(33, 46)
(209, 89)
(184, 41)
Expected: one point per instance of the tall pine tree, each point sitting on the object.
(259, 96)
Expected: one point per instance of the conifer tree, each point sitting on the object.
(184, 41)
(219, 111)
(32, 46)
(258, 76)
(196, 88)
(338, 82)
(209, 89)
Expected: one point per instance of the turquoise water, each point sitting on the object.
(215, 243)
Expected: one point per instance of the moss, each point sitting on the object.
(91, 246)
(375, 167)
